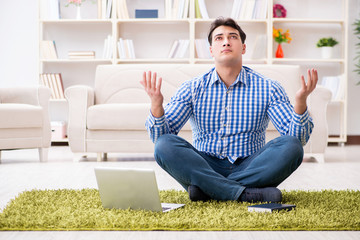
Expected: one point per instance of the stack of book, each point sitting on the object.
(202, 48)
(179, 48)
(81, 54)
(55, 83)
(177, 9)
(249, 9)
(48, 50)
(126, 49)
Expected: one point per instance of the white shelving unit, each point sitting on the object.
(307, 20)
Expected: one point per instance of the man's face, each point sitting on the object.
(227, 46)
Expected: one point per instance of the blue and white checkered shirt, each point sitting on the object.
(230, 122)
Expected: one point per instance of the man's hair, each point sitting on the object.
(225, 22)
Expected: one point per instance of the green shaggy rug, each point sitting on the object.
(82, 210)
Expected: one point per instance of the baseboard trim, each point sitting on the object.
(351, 140)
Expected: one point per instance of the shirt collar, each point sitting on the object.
(242, 77)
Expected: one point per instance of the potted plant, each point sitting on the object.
(281, 37)
(326, 45)
(357, 32)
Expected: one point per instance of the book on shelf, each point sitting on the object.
(203, 10)
(55, 83)
(99, 9)
(177, 9)
(186, 9)
(168, 9)
(108, 48)
(104, 8)
(202, 48)
(146, 13)
(108, 9)
(271, 207)
(50, 9)
(197, 9)
(122, 9)
(249, 9)
(336, 85)
(200, 9)
(173, 49)
(260, 9)
(126, 49)
(81, 54)
(48, 49)
(179, 48)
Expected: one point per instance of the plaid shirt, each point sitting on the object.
(230, 122)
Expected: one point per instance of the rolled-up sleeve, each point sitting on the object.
(156, 127)
(177, 113)
(285, 119)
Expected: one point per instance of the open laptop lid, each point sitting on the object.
(129, 188)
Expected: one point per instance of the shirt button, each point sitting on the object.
(226, 108)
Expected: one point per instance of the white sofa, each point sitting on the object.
(111, 116)
(24, 121)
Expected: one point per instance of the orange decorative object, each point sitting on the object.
(279, 52)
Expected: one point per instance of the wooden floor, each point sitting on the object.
(21, 170)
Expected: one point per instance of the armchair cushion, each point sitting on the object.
(20, 116)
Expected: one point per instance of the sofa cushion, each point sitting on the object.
(20, 116)
(117, 116)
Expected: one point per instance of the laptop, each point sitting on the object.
(123, 188)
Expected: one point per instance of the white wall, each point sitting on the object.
(19, 51)
(19, 43)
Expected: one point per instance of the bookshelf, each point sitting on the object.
(153, 39)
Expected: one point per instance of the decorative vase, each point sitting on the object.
(78, 12)
(279, 52)
(326, 52)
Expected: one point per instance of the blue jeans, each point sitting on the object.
(222, 180)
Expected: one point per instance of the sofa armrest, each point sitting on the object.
(318, 101)
(79, 98)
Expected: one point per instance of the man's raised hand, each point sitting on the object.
(152, 87)
(305, 90)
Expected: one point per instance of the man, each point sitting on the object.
(229, 109)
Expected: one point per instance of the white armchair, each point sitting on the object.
(24, 121)
(111, 116)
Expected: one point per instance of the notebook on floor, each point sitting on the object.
(130, 188)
